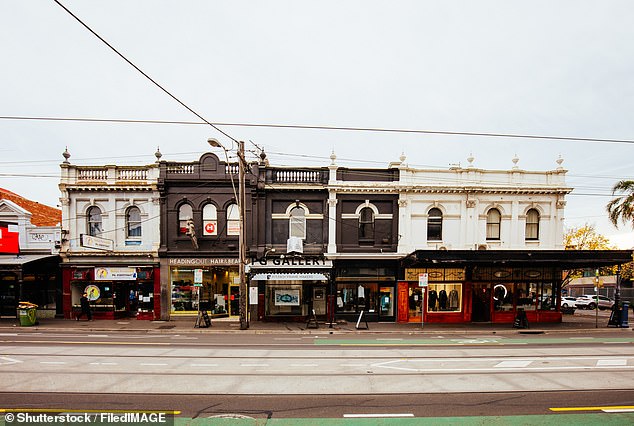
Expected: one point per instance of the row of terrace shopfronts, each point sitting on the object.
(459, 287)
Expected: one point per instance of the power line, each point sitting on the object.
(142, 72)
(319, 127)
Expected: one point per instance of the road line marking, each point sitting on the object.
(52, 362)
(619, 410)
(370, 416)
(97, 335)
(152, 364)
(513, 363)
(614, 407)
(603, 362)
(8, 334)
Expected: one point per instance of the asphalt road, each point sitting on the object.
(291, 376)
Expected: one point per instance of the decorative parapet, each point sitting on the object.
(297, 176)
(108, 175)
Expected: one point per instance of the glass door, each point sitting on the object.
(234, 300)
(481, 303)
(415, 302)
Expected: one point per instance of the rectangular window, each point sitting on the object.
(444, 297)
(285, 299)
(354, 298)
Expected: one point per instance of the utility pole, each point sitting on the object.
(242, 239)
(242, 206)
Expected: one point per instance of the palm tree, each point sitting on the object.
(622, 207)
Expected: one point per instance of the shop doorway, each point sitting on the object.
(319, 301)
(386, 303)
(481, 303)
(234, 300)
(415, 303)
(8, 298)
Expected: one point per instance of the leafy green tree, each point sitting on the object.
(621, 209)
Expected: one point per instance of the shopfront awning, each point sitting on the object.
(289, 277)
(23, 259)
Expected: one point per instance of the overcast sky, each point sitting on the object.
(553, 68)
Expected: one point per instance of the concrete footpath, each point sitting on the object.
(580, 321)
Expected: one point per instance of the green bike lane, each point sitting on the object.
(477, 341)
(604, 419)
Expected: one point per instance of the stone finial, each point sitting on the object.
(402, 158)
(263, 159)
(470, 160)
(66, 156)
(559, 161)
(515, 161)
(158, 154)
(333, 157)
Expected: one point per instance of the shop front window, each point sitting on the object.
(526, 294)
(415, 298)
(547, 301)
(386, 301)
(285, 299)
(206, 288)
(354, 298)
(503, 297)
(446, 297)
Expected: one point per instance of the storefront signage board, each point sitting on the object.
(115, 274)
(289, 277)
(203, 261)
(291, 263)
(97, 243)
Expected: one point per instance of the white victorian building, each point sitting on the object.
(110, 239)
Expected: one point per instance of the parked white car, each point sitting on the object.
(568, 302)
(589, 301)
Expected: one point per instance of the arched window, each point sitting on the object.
(434, 225)
(93, 215)
(297, 223)
(532, 224)
(210, 220)
(366, 225)
(493, 224)
(184, 212)
(133, 222)
(233, 219)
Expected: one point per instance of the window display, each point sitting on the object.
(285, 299)
(503, 297)
(205, 287)
(354, 298)
(446, 297)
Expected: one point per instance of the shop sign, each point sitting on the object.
(9, 239)
(210, 227)
(198, 277)
(203, 261)
(423, 280)
(290, 277)
(92, 292)
(112, 274)
(291, 263)
(98, 243)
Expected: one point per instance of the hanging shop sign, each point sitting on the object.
(112, 274)
(97, 243)
(92, 292)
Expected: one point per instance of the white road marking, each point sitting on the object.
(619, 410)
(97, 335)
(604, 362)
(8, 360)
(52, 362)
(378, 415)
(8, 334)
(513, 364)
